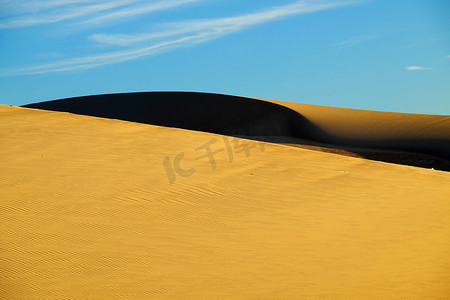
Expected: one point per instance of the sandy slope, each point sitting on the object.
(419, 140)
(87, 211)
(415, 132)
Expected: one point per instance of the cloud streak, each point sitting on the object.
(107, 58)
(355, 41)
(416, 68)
(221, 26)
(136, 11)
(176, 35)
(12, 7)
(62, 14)
(93, 13)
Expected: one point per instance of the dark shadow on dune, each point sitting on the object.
(227, 115)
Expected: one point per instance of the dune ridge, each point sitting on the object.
(213, 113)
(424, 139)
(87, 211)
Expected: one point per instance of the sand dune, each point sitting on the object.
(196, 111)
(104, 209)
(357, 131)
(381, 130)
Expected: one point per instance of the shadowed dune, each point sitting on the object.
(227, 115)
(429, 134)
(424, 139)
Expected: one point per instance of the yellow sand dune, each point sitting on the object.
(418, 132)
(105, 209)
(412, 139)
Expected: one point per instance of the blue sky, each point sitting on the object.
(375, 54)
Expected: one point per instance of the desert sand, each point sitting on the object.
(111, 197)
(420, 140)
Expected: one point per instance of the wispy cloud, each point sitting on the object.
(137, 10)
(89, 62)
(14, 7)
(176, 35)
(423, 43)
(92, 13)
(355, 41)
(59, 15)
(220, 26)
(416, 68)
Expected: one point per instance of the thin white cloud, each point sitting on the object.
(93, 13)
(12, 7)
(108, 58)
(182, 34)
(416, 68)
(220, 26)
(422, 43)
(62, 14)
(355, 41)
(136, 11)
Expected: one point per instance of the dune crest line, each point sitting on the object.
(277, 121)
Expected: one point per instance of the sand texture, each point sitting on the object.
(105, 208)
